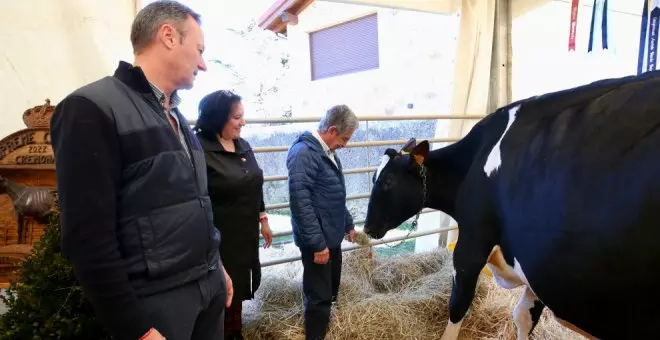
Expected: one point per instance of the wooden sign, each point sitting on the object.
(27, 161)
(29, 148)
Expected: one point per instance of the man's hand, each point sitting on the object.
(153, 334)
(351, 235)
(230, 288)
(266, 233)
(321, 257)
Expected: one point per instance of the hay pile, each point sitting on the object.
(401, 297)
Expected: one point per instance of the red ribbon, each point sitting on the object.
(573, 28)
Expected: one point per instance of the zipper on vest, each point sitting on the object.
(160, 110)
(154, 105)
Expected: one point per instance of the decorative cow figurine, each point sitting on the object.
(36, 202)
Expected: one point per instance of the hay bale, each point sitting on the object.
(277, 294)
(401, 297)
(395, 273)
(279, 314)
(361, 238)
(379, 317)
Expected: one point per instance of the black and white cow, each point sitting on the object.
(558, 193)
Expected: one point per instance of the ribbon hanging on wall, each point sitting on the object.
(648, 37)
(598, 24)
(575, 6)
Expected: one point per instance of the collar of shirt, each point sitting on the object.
(327, 150)
(325, 146)
(175, 100)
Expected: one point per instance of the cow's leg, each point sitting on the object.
(527, 313)
(470, 256)
(19, 228)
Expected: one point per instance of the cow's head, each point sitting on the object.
(398, 190)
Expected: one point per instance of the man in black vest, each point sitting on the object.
(136, 218)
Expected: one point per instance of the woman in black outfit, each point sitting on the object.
(235, 186)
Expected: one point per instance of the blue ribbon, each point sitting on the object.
(642, 37)
(653, 40)
(603, 26)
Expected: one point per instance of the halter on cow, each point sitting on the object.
(558, 193)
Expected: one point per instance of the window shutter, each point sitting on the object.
(345, 48)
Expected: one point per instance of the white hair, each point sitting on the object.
(340, 116)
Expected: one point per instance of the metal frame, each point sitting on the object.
(412, 235)
(367, 143)
(316, 119)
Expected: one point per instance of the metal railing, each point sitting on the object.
(367, 143)
(371, 118)
(414, 234)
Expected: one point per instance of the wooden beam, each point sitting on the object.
(482, 71)
(272, 19)
(432, 6)
(521, 7)
(517, 7)
(500, 65)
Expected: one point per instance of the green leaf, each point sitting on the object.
(39, 308)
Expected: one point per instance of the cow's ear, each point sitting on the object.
(419, 153)
(391, 152)
(409, 146)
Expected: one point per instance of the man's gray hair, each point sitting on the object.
(340, 116)
(153, 16)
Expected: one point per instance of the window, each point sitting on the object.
(345, 48)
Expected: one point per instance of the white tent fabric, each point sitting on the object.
(50, 47)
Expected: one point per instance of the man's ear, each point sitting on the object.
(333, 129)
(167, 33)
(419, 153)
(408, 146)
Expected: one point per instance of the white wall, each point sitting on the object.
(415, 51)
(51, 47)
(416, 56)
(542, 63)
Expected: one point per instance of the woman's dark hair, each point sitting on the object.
(214, 111)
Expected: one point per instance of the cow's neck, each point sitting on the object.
(446, 170)
(13, 189)
(442, 183)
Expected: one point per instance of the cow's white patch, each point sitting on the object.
(504, 275)
(452, 330)
(383, 163)
(522, 314)
(494, 159)
(509, 278)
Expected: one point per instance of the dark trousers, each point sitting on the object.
(234, 320)
(192, 311)
(320, 287)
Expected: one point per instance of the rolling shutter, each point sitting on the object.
(345, 48)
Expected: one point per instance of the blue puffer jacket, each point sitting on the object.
(317, 194)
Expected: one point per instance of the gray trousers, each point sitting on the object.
(192, 311)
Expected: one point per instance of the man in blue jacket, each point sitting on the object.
(320, 219)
